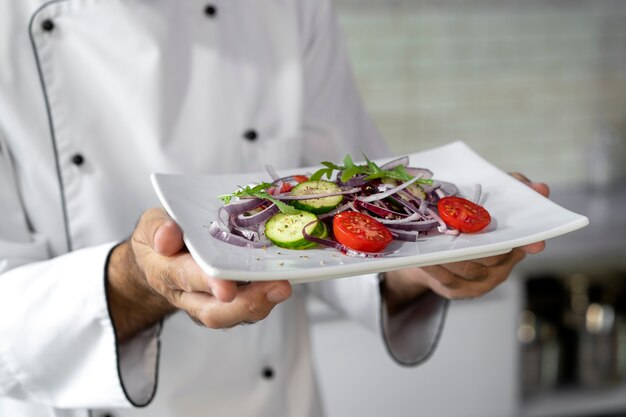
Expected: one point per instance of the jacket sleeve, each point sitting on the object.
(57, 344)
(336, 123)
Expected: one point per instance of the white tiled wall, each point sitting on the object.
(528, 84)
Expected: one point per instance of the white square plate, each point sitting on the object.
(519, 216)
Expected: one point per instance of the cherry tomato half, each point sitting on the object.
(297, 178)
(360, 232)
(462, 214)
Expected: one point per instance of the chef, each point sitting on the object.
(99, 299)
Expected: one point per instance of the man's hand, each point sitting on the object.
(152, 275)
(465, 279)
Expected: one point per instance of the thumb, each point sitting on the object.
(160, 232)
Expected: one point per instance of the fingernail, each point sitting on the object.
(276, 295)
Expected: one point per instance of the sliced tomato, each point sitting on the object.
(287, 186)
(360, 232)
(462, 214)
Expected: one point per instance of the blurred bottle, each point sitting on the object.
(601, 337)
(539, 334)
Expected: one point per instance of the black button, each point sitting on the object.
(47, 25)
(268, 373)
(78, 159)
(251, 135)
(210, 10)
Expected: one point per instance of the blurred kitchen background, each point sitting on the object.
(535, 86)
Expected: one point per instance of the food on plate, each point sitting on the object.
(462, 214)
(317, 205)
(358, 209)
(285, 230)
(360, 232)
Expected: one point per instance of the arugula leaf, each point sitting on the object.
(328, 171)
(259, 191)
(371, 170)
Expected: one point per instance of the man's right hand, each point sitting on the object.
(153, 274)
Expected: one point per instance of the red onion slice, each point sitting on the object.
(420, 172)
(257, 218)
(407, 236)
(245, 204)
(289, 197)
(382, 212)
(403, 160)
(421, 226)
(222, 235)
(390, 192)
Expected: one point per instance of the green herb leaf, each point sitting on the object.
(328, 171)
(259, 191)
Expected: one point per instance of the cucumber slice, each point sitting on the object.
(285, 230)
(316, 205)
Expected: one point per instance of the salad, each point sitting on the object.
(358, 209)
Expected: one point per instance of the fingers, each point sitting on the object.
(252, 303)
(534, 248)
(158, 231)
(539, 187)
(471, 279)
(159, 251)
(168, 238)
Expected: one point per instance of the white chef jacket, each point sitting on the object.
(97, 94)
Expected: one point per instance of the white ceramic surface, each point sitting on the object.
(519, 216)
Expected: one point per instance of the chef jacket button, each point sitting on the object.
(210, 10)
(47, 25)
(268, 373)
(251, 135)
(78, 159)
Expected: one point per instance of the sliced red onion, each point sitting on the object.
(222, 235)
(338, 209)
(420, 172)
(251, 235)
(260, 217)
(430, 188)
(409, 236)
(407, 219)
(356, 181)
(383, 212)
(420, 226)
(448, 188)
(272, 172)
(223, 217)
(290, 197)
(242, 205)
(392, 191)
(322, 241)
(403, 160)
(408, 205)
(477, 193)
(443, 227)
